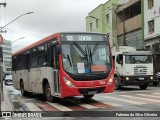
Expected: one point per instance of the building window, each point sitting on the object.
(91, 26)
(151, 26)
(107, 18)
(96, 23)
(150, 4)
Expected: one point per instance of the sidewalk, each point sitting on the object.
(6, 104)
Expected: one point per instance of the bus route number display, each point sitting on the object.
(78, 38)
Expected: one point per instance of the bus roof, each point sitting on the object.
(49, 38)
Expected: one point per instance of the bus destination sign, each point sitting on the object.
(82, 37)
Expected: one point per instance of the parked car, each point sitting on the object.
(8, 80)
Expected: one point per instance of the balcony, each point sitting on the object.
(130, 25)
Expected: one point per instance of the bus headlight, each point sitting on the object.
(110, 80)
(151, 77)
(68, 83)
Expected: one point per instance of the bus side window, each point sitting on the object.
(33, 60)
(42, 55)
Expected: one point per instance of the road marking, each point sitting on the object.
(88, 106)
(60, 107)
(112, 104)
(124, 100)
(147, 99)
(32, 107)
(149, 95)
(143, 91)
(157, 93)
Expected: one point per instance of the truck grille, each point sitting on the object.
(140, 70)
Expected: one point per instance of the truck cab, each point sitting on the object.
(133, 68)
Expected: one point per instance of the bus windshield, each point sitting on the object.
(138, 59)
(86, 57)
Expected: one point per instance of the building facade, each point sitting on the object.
(129, 24)
(7, 56)
(121, 21)
(103, 19)
(151, 23)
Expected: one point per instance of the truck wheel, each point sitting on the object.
(23, 92)
(155, 83)
(116, 84)
(88, 96)
(143, 87)
(47, 93)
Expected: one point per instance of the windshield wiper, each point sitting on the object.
(80, 49)
(95, 48)
(69, 60)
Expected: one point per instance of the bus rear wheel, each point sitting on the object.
(23, 92)
(88, 96)
(47, 93)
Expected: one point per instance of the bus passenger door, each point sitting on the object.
(55, 65)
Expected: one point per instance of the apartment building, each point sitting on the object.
(103, 19)
(151, 23)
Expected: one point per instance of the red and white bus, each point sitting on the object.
(64, 65)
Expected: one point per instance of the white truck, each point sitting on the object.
(132, 67)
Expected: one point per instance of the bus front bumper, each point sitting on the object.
(78, 91)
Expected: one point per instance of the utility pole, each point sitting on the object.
(3, 4)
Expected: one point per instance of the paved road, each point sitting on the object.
(128, 99)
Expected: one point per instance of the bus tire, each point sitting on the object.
(88, 96)
(116, 83)
(47, 93)
(143, 87)
(23, 92)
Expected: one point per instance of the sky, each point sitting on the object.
(50, 16)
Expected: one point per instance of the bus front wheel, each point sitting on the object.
(48, 95)
(23, 92)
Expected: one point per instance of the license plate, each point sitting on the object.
(92, 92)
(141, 78)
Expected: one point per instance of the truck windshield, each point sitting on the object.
(86, 57)
(138, 59)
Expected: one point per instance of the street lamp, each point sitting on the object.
(15, 19)
(18, 39)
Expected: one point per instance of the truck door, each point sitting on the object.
(119, 64)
